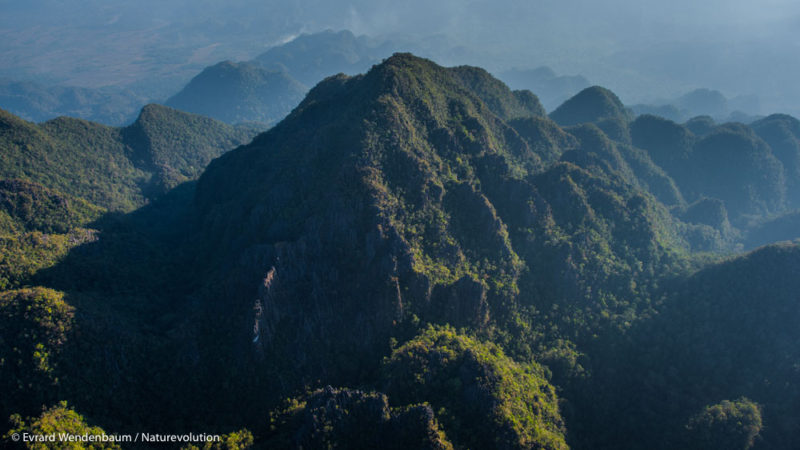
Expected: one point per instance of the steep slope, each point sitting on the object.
(497, 96)
(667, 143)
(727, 332)
(782, 133)
(736, 166)
(240, 92)
(729, 162)
(177, 146)
(398, 198)
(599, 151)
(27, 206)
(457, 267)
(592, 104)
(486, 399)
(115, 168)
(74, 156)
(700, 125)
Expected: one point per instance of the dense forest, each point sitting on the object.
(415, 257)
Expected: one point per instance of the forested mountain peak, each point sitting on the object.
(590, 105)
(240, 92)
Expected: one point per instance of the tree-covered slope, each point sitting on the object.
(385, 202)
(729, 162)
(398, 198)
(177, 146)
(590, 105)
(240, 92)
(782, 133)
(416, 252)
(727, 332)
(115, 168)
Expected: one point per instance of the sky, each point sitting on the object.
(643, 50)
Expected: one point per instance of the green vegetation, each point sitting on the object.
(782, 134)
(114, 168)
(729, 162)
(592, 104)
(177, 146)
(36, 323)
(240, 92)
(483, 398)
(29, 206)
(56, 420)
(345, 418)
(478, 275)
(726, 425)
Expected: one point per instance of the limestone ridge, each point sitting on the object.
(402, 193)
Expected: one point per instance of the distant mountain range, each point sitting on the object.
(240, 92)
(704, 102)
(312, 57)
(36, 102)
(552, 89)
(267, 88)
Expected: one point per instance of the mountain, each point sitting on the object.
(723, 334)
(267, 88)
(311, 57)
(670, 112)
(700, 125)
(729, 162)
(418, 253)
(551, 88)
(411, 202)
(384, 203)
(37, 103)
(782, 133)
(240, 92)
(38, 226)
(703, 102)
(114, 168)
(590, 105)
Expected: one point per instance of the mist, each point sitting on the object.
(641, 50)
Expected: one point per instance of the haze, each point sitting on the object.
(641, 50)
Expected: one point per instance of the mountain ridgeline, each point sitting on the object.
(240, 92)
(115, 168)
(415, 257)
